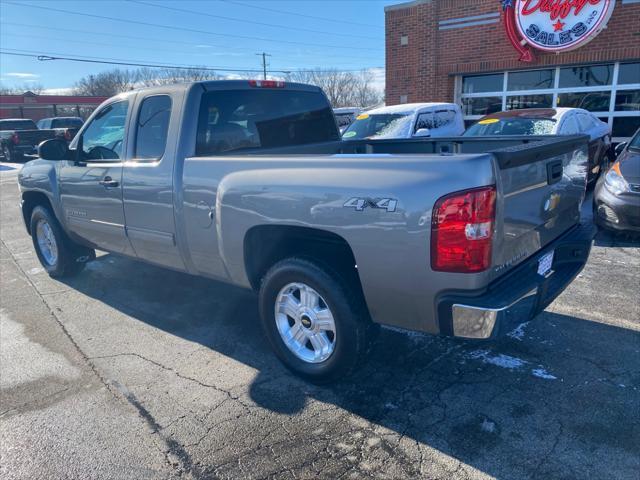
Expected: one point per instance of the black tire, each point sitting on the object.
(353, 328)
(8, 154)
(71, 257)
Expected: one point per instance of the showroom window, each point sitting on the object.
(611, 91)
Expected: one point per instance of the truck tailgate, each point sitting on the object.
(34, 137)
(541, 189)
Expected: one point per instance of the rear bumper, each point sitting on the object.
(520, 294)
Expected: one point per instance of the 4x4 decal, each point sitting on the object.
(360, 203)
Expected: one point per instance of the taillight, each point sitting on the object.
(462, 231)
(67, 135)
(15, 138)
(266, 83)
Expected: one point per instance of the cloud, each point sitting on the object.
(22, 75)
(57, 91)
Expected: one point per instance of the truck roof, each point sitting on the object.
(209, 85)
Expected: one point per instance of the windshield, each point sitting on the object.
(635, 141)
(66, 123)
(344, 119)
(379, 125)
(511, 126)
(18, 125)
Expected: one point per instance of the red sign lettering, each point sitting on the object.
(556, 8)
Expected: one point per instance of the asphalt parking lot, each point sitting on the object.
(130, 371)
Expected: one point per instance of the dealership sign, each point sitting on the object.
(554, 25)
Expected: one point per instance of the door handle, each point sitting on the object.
(554, 172)
(109, 182)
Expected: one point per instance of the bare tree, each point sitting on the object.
(20, 89)
(344, 89)
(106, 84)
(117, 80)
(151, 77)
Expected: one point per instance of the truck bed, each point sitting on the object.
(540, 186)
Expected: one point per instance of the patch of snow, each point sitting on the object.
(542, 373)
(518, 332)
(500, 360)
(488, 426)
(36, 271)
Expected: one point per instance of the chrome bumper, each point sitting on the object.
(520, 294)
(479, 322)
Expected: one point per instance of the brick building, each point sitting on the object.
(459, 50)
(36, 107)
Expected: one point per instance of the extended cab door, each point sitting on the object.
(91, 185)
(148, 186)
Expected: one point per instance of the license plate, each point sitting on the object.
(544, 264)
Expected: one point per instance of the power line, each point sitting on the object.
(242, 20)
(43, 57)
(128, 47)
(152, 39)
(170, 27)
(325, 19)
(50, 56)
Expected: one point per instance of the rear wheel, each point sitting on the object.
(9, 155)
(313, 320)
(58, 254)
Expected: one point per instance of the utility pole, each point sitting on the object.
(264, 63)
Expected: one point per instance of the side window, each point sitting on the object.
(436, 119)
(152, 126)
(103, 137)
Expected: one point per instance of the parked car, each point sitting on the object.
(248, 182)
(616, 198)
(19, 137)
(66, 127)
(406, 121)
(345, 116)
(552, 121)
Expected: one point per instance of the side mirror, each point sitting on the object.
(53, 149)
(619, 148)
(422, 132)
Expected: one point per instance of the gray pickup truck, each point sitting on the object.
(248, 182)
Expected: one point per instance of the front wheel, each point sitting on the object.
(59, 255)
(315, 323)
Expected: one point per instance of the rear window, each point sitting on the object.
(66, 123)
(382, 125)
(18, 125)
(511, 126)
(262, 118)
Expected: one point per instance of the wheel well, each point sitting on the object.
(31, 200)
(266, 245)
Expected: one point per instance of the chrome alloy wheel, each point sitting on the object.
(47, 242)
(305, 323)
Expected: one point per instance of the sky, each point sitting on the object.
(223, 34)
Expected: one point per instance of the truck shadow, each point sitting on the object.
(552, 398)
